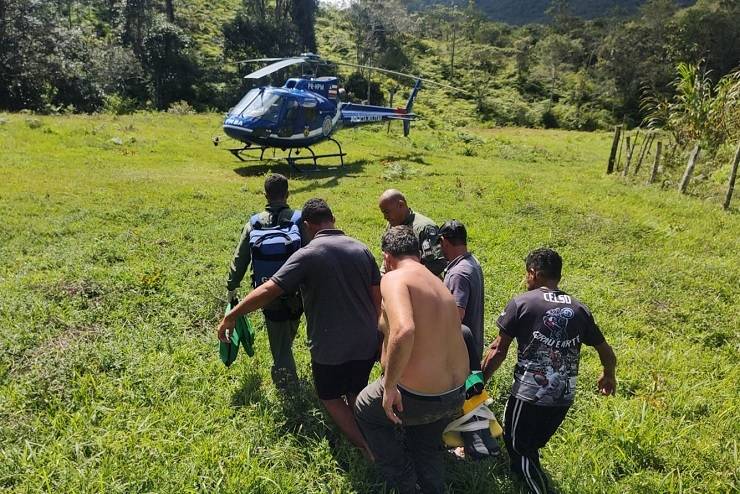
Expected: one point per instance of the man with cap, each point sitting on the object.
(396, 211)
(283, 315)
(464, 278)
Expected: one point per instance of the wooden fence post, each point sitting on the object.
(733, 175)
(644, 150)
(630, 150)
(689, 170)
(613, 153)
(654, 173)
(618, 163)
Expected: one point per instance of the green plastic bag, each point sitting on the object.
(242, 334)
(473, 384)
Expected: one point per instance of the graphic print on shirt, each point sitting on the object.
(548, 366)
(556, 320)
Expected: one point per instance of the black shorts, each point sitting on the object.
(334, 381)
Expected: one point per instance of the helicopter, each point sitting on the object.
(305, 111)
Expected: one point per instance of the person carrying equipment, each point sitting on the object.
(268, 239)
(425, 363)
(340, 284)
(464, 278)
(395, 209)
(550, 326)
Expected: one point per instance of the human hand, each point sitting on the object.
(391, 398)
(225, 328)
(230, 295)
(607, 384)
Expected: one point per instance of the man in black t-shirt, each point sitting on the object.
(549, 326)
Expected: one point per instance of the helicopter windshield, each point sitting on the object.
(239, 107)
(265, 105)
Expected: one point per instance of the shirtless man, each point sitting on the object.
(425, 364)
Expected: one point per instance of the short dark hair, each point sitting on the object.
(400, 241)
(317, 211)
(454, 231)
(546, 262)
(276, 186)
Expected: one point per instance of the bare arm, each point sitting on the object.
(401, 329)
(496, 355)
(377, 298)
(608, 381)
(461, 311)
(257, 298)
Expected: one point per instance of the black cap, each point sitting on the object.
(453, 230)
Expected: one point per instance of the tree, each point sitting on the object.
(555, 53)
(137, 17)
(167, 61)
(303, 14)
(376, 27)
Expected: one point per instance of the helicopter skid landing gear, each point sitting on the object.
(292, 160)
(293, 155)
(238, 153)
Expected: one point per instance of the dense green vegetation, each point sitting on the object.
(122, 55)
(530, 11)
(114, 246)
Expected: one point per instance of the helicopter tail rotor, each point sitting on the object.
(410, 106)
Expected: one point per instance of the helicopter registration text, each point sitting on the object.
(366, 118)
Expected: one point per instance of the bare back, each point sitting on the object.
(439, 358)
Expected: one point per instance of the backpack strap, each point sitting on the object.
(257, 224)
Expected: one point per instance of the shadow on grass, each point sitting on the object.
(307, 171)
(249, 391)
(302, 413)
(306, 419)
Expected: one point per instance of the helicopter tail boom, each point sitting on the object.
(354, 114)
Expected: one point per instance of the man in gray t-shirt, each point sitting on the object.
(336, 275)
(340, 285)
(464, 278)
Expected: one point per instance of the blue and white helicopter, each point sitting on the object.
(305, 111)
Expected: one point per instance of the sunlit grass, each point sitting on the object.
(114, 243)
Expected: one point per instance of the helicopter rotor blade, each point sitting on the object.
(251, 60)
(286, 62)
(402, 74)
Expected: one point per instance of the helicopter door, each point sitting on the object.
(293, 122)
(311, 119)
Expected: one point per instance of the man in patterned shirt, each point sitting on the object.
(549, 326)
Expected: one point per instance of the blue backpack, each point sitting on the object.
(271, 245)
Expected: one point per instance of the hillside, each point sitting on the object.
(519, 12)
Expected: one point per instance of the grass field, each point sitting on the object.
(115, 237)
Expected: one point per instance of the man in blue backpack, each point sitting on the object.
(267, 241)
(340, 283)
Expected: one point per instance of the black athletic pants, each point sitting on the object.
(527, 428)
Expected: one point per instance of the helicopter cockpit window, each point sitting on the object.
(293, 108)
(266, 106)
(310, 114)
(239, 107)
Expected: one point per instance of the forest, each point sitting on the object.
(120, 56)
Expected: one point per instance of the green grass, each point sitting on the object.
(113, 260)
